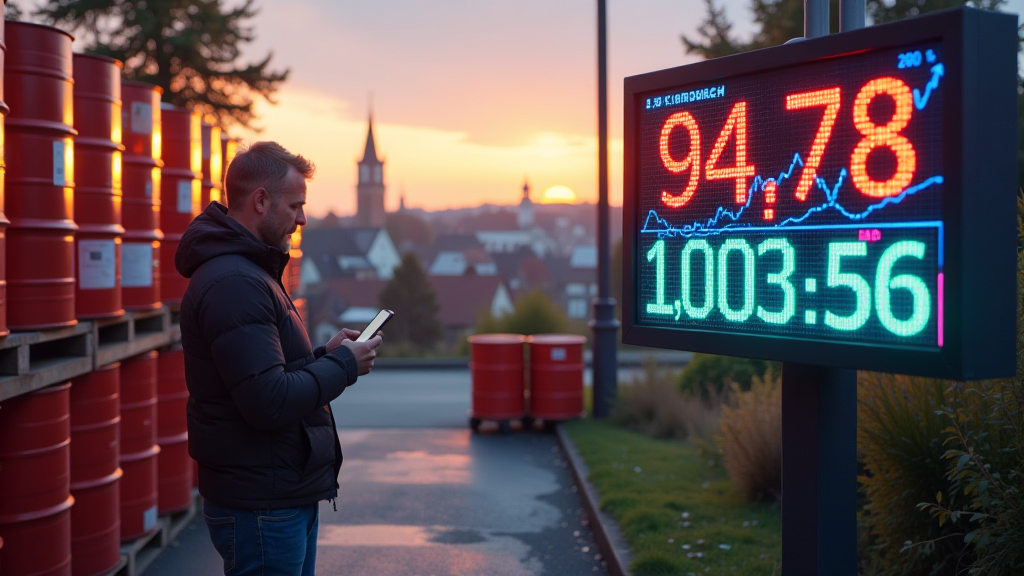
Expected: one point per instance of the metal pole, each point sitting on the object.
(851, 15)
(819, 434)
(604, 327)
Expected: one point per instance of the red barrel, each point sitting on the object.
(95, 471)
(98, 186)
(228, 149)
(138, 445)
(175, 465)
(212, 166)
(180, 191)
(497, 370)
(292, 276)
(4, 222)
(556, 376)
(40, 172)
(35, 496)
(140, 253)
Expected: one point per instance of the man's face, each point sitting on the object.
(286, 214)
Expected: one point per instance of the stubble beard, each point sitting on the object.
(274, 233)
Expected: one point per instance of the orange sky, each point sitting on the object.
(470, 96)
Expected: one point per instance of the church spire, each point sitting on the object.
(370, 153)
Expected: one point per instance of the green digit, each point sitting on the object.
(856, 282)
(782, 279)
(741, 246)
(658, 252)
(709, 278)
(922, 307)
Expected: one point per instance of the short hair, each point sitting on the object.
(263, 164)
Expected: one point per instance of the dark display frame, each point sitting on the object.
(979, 199)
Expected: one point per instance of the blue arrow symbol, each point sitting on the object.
(921, 101)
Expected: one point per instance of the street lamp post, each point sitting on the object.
(604, 325)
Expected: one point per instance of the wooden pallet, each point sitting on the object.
(138, 554)
(31, 361)
(133, 334)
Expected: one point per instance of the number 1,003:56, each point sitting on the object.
(708, 289)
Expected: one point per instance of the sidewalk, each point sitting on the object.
(420, 494)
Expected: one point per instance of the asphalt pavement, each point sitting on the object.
(421, 495)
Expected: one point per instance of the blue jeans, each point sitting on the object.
(264, 542)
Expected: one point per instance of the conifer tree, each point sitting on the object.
(190, 48)
(414, 301)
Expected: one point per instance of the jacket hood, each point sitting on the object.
(213, 234)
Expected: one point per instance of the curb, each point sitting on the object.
(606, 530)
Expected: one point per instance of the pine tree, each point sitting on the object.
(190, 48)
(414, 301)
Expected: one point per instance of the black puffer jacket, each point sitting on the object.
(259, 421)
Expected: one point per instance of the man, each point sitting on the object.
(260, 424)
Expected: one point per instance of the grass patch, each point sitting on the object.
(666, 495)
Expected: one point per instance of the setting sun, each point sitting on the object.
(558, 195)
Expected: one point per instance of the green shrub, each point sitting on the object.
(752, 425)
(534, 313)
(900, 443)
(707, 373)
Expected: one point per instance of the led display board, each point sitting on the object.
(847, 200)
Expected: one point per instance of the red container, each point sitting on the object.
(213, 164)
(180, 191)
(175, 465)
(40, 172)
(497, 370)
(292, 276)
(138, 445)
(140, 253)
(95, 471)
(35, 497)
(229, 148)
(556, 376)
(4, 222)
(98, 186)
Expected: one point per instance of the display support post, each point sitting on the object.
(604, 326)
(819, 470)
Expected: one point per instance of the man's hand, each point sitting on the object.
(345, 334)
(364, 352)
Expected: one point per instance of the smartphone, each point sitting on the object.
(375, 325)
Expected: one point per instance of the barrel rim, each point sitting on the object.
(497, 338)
(144, 85)
(557, 339)
(18, 23)
(168, 107)
(100, 57)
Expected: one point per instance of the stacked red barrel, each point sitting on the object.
(497, 369)
(35, 486)
(39, 153)
(96, 471)
(180, 191)
(140, 252)
(139, 449)
(228, 147)
(174, 463)
(3, 218)
(98, 188)
(212, 166)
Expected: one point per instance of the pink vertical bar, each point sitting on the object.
(942, 300)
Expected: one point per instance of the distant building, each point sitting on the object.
(370, 190)
(331, 253)
(526, 217)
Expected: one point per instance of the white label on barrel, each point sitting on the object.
(142, 118)
(149, 519)
(136, 265)
(149, 188)
(558, 354)
(185, 197)
(96, 264)
(58, 163)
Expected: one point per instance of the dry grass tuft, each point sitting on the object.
(752, 425)
(653, 406)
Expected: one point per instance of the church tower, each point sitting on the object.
(370, 190)
(526, 217)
